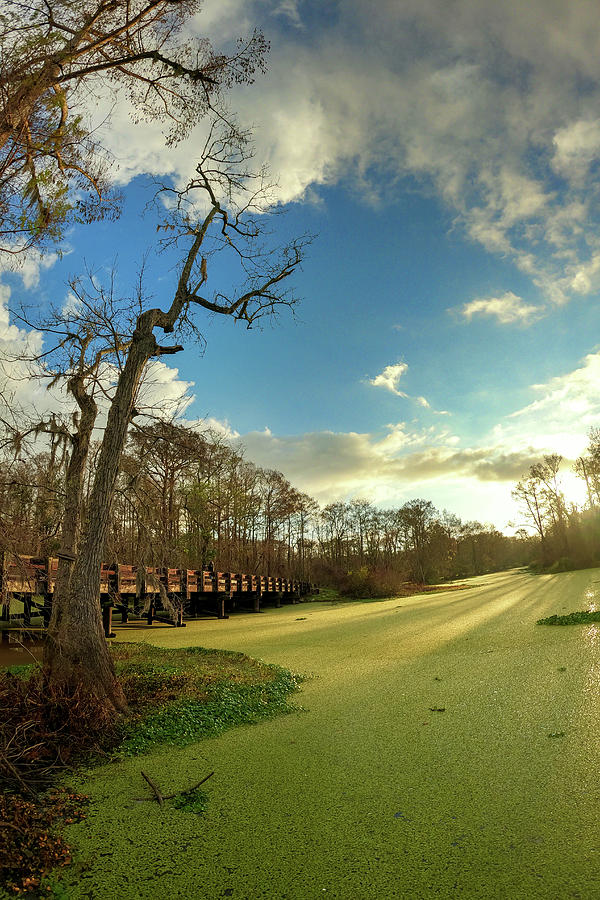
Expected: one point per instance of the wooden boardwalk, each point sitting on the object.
(161, 593)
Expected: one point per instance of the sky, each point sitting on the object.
(446, 156)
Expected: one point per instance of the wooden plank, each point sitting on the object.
(208, 583)
(171, 579)
(126, 579)
(222, 581)
(28, 576)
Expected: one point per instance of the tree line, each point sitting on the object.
(565, 535)
(187, 498)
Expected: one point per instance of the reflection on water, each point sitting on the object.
(592, 681)
(591, 636)
(20, 649)
(590, 598)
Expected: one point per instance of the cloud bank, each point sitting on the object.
(492, 106)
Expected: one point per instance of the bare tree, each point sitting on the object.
(587, 466)
(530, 497)
(417, 517)
(54, 58)
(233, 201)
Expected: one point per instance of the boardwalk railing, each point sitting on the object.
(151, 592)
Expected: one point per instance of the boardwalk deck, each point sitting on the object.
(27, 586)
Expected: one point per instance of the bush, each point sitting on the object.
(581, 617)
(365, 583)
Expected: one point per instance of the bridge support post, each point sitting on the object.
(107, 620)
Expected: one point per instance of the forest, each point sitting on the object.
(187, 497)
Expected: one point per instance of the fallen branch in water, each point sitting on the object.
(160, 797)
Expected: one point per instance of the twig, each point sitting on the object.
(189, 790)
(10, 825)
(158, 795)
(156, 789)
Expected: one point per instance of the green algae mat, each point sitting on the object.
(447, 747)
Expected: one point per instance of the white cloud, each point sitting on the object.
(507, 309)
(576, 147)
(483, 105)
(435, 463)
(162, 392)
(390, 378)
(28, 266)
(567, 407)
(396, 466)
(289, 10)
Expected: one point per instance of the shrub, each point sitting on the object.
(369, 584)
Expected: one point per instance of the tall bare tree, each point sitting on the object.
(233, 200)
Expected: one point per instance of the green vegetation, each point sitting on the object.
(181, 696)
(175, 696)
(193, 802)
(582, 617)
(370, 793)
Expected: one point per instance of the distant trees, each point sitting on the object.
(369, 551)
(187, 498)
(567, 536)
(587, 467)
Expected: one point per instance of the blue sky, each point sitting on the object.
(446, 156)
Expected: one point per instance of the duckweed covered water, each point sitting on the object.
(448, 747)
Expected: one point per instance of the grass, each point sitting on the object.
(582, 617)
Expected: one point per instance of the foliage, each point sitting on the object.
(55, 58)
(371, 583)
(175, 696)
(194, 801)
(225, 706)
(30, 845)
(583, 617)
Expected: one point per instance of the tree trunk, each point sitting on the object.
(77, 649)
(74, 483)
